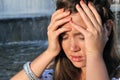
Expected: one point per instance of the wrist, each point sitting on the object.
(94, 55)
(51, 52)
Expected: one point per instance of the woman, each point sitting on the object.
(82, 42)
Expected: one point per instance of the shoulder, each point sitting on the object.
(115, 78)
(117, 74)
(47, 74)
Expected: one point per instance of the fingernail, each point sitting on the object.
(82, 2)
(77, 5)
(67, 12)
(62, 9)
(90, 3)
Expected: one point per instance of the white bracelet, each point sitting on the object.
(29, 72)
(26, 71)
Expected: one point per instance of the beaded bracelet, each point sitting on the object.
(29, 73)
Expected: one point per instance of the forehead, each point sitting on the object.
(76, 18)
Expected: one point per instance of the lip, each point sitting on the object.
(77, 58)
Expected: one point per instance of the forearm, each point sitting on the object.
(40, 63)
(96, 69)
(37, 66)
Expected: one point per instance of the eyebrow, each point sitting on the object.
(78, 33)
(75, 34)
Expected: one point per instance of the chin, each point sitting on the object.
(79, 64)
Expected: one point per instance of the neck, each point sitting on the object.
(83, 74)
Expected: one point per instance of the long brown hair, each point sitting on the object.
(64, 69)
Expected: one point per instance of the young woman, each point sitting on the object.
(82, 43)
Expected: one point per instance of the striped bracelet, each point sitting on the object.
(29, 73)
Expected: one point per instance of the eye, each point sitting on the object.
(64, 37)
(81, 37)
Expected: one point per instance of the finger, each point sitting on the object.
(79, 28)
(85, 18)
(93, 9)
(89, 13)
(57, 12)
(62, 30)
(59, 23)
(54, 14)
(58, 17)
(61, 15)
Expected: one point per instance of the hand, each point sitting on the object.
(95, 34)
(54, 30)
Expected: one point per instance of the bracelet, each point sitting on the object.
(29, 72)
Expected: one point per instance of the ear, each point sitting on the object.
(109, 26)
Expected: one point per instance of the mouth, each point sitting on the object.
(77, 58)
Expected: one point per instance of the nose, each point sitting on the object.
(74, 45)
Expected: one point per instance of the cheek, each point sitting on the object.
(82, 45)
(65, 46)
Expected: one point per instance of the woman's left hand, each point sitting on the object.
(95, 35)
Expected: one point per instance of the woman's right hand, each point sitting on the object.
(58, 18)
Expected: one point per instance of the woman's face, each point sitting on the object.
(73, 42)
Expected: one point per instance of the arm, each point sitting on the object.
(37, 66)
(96, 69)
(40, 63)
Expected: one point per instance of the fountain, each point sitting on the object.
(25, 8)
(23, 28)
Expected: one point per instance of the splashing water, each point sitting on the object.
(23, 32)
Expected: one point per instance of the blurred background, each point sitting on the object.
(23, 26)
